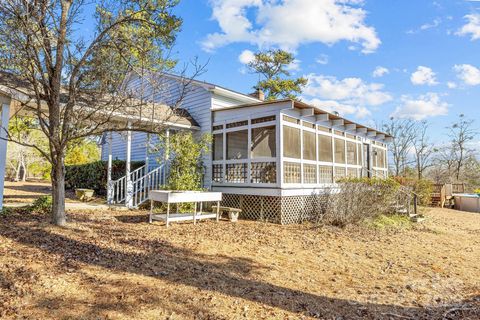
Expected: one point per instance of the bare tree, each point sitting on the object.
(403, 133)
(423, 148)
(78, 86)
(460, 133)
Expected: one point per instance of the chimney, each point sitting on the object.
(259, 94)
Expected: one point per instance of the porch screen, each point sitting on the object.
(218, 146)
(309, 147)
(325, 148)
(237, 145)
(291, 142)
(339, 150)
(263, 142)
(351, 152)
(380, 158)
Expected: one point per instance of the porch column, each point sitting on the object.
(166, 155)
(109, 171)
(129, 182)
(3, 147)
(147, 160)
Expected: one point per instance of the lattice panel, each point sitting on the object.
(217, 172)
(326, 174)
(284, 210)
(264, 172)
(309, 173)
(291, 172)
(237, 172)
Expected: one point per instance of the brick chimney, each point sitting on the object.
(259, 94)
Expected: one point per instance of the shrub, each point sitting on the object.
(42, 205)
(94, 175)
(422, 187)
(357, 199)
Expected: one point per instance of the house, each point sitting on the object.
(271, 158)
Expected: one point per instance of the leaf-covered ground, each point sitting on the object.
(114, 265)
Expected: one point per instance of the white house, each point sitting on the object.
(270, 158)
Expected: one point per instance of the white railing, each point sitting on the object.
(141, 182)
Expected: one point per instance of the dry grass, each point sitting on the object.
(114, 265)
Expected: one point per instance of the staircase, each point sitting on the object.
(134, 191)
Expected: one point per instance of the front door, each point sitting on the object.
(366, 169)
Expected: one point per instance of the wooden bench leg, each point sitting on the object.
(151, 212)
(218, 211)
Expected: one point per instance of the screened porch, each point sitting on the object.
(276, 146)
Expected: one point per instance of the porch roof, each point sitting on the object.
(313, 111)
(141, 113)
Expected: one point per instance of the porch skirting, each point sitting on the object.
(277, 209)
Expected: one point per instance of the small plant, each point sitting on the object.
(477, 191)
(5, 211)
(42, 205)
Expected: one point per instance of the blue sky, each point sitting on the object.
(366, 59)
(426, 52)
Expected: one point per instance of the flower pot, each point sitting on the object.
(233, 216)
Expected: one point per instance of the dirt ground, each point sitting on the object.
(114, 265)
(27, 191)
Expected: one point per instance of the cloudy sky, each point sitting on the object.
(366, 59)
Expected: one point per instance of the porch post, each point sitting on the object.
(109, 171)
(129, 183)
(3, 147)
(166, 156)
(147, 160)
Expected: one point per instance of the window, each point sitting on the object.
(309, 147)
(237, 145)
(218, 146)
(263, 142)
(339, 150)
(320, 128)
(308, 124)
(325, 148)
(359, 153)
(380, 158)
(237, 124)
(291, 142)
(219, 127)
(351, 152)
(290, 119)
(263, 119)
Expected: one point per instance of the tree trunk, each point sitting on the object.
(58, 192)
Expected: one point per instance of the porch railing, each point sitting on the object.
(135, 191)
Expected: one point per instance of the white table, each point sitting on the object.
(196, 197)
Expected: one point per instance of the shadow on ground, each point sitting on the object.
(225, 275)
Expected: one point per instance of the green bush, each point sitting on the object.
(42, 205)
(422, 187)
(94, 175)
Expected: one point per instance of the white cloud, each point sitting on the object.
(348, 89)
(346, 96)
(423, 75)
(430, 25)
(469, 74)
(322, 59)
(451, 85)
(427, 105)
(288, 24)
(294, 65)
(246, 56)
(380, 72)
(472, 28)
